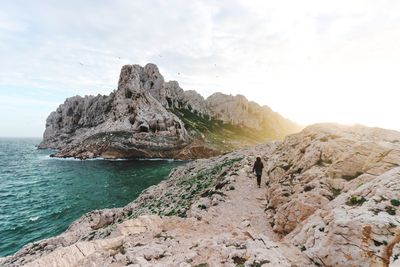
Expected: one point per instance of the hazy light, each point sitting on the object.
(312, 61)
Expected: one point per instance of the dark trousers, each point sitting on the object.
(258, 179)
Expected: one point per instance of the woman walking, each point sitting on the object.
(258, 167)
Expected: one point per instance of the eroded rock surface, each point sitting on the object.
(330, 197)
(334, 192)
(208, 213)
(148, 117)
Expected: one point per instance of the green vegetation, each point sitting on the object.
(375, 211)
(219, 135)
(390, 210)
(239, 261)
(336, 192)
(395, 202)
(356, 200)
(187, 189)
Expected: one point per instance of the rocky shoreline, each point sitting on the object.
(330, 198)
(147, 117)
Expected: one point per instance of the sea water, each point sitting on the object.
(40, 196)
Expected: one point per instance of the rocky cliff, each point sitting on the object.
(330, 197)
(148, 117)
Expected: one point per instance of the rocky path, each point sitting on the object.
(240, 221)
(243, 207)
(332, 198)
(244, 210)
(228, 231)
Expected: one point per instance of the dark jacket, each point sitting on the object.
(258, 167)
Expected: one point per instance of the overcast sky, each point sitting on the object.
(311, 61)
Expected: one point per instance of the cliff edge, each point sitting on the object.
(147, 117)
(330, 197)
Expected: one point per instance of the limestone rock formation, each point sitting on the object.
(238, 110)
(331, 198)
(148, 117)
(208, 213)
(334, 192)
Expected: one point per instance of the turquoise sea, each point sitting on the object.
(40, 196)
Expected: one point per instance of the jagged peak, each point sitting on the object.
(145, 105)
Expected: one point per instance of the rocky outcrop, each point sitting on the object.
(330, 198)
(207, 213)
(129, 122)
(334, 192)
(238, 110)
(148, 117)
(361, 226)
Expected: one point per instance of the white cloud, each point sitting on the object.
(8, 24)
(310, 60)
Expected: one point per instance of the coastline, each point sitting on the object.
(317, 185)
(41, 196)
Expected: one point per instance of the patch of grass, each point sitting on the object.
(356, 200)
(238, 260)
(187, 190)
(395, 202)
(223, 136)
(336, 192)
(390, 210)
